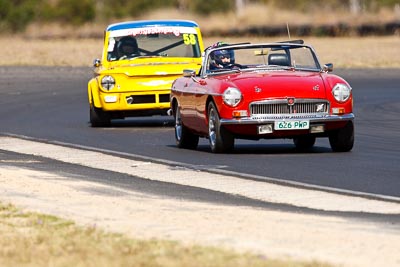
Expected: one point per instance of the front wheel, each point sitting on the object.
(220, 139)
(98, 117)
(183, 137)
(342, 140)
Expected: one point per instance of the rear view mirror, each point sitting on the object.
(261, 52)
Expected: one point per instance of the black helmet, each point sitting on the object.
(127, 46)
(218, 56)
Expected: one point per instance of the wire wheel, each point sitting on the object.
(220, 139)
(183, 136)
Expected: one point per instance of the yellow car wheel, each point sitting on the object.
(98, 117)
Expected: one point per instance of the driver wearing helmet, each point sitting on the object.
(221, 59)
(127, 47)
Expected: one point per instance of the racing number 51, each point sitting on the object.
(189, 39)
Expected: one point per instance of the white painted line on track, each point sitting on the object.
(230, 184)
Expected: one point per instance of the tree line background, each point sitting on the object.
(15, 15)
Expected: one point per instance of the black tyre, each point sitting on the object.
(304, 143)
(342, 140)
(184, 138)
(220, 139)
(99, 118)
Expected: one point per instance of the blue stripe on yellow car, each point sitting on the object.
(146, 23)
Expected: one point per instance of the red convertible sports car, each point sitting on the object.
(267, 90)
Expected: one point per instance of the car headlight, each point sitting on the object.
(341, 92)
(108, 82)
(232, 96)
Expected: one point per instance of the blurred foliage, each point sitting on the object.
(312, 5)
(199, 6)
(75, 12)
(126, 8)
(15, 15)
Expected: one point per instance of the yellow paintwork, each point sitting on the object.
(141, 76)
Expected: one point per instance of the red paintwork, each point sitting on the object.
(193, 96)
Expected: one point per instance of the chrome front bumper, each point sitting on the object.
(274, 118)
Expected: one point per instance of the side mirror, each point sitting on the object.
(328, 67)
(189, 73)
(192, 74)
(96, 63)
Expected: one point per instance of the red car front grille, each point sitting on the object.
(300, 106)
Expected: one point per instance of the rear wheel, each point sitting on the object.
(98, 117)
(220, 139)
(184, 138)
(304, 143)
(342, 140)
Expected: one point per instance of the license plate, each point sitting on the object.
(292, 125)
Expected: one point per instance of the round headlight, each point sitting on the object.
(108, 82)
(232, 96)
(341, 92)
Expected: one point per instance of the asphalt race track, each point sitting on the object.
(50, 103)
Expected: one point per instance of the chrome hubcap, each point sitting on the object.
(211, 127)
(178, 125)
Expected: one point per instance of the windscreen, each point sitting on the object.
(153, 42)
(261, 57)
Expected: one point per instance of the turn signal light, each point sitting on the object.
(338, 111)
(239, 113)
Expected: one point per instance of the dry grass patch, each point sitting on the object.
(32, 239)
(256, 14)
(55, 52)
(344, 52)
(65, 48)
(368, 52)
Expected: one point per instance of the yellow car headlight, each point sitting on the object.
(108, 82)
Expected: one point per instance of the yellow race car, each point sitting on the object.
(140, 61)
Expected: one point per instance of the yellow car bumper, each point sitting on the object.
(135, 100)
